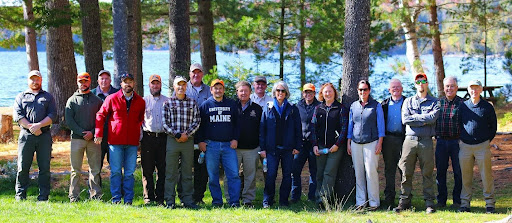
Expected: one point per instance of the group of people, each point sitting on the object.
(189, 137)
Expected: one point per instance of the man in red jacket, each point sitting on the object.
(126, 111)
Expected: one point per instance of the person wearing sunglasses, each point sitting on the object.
(366, 132)
(280, 139)
(419, 114)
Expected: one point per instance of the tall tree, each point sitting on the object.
(60, 57)
(135, 44)
(409, 17)
(356, 66)
(30, 36)
(206, 27)
(302, 42)
(91, 35)
(120, 20)
(437, 51)
(179, 39)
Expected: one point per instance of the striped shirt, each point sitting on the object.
(153, 121)
(448, 122)
(181, 116)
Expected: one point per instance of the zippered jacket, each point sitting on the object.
(329, 125)
(292, 128)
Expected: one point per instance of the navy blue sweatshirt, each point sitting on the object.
(219, 120)
(479, 122)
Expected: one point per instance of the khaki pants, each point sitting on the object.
(93, 151)
(420, 149)
(175, 152)
(248, 159)
(366, 163)
(480, 153)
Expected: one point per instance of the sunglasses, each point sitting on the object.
(281, 90)
(418, 82)
(362, 89)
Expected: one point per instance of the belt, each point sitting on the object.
(43, 129)
(395, 134)
(448, 137)
(156, 134)
(418, 138)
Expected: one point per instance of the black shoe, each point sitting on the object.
(455, 206)
(430, 210)
(73, 200)
(218, 205)
(490, 210)
(320, 205)
(42, 199)
(440, 205)
(191, 206)
(266, 205)
(116, 202)
(129, 203)
(234, 205)
(170, 206)
(294, 201)
(249, 205)
(401, 207)
(464, 209)
(370, 209)
(200, 202)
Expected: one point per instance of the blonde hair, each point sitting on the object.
(321, 95)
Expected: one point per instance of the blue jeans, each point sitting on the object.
(221, 153)
(298, 163)
(122, 156)
(448, 149)
(286, 158)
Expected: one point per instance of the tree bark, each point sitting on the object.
(437, 51)
(91, 35)
(356, 66)
(179, 39)
(281, 42)
(60, 61)
(411, 40)
(30, 36)
(135, 44)
(120, 21)
(302, 41)
(206, 28)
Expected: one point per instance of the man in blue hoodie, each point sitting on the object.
(218, 138)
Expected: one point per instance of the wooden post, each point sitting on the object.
(6, 131)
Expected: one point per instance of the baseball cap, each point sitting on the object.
(34, 73)
(126, 76)
(420, 75)
(260, 78)
(178, 79)
(196, 66)
(83, 76)
(308, 87)
(155, 77)
(104, 72)
(474, 82)
(217, 81)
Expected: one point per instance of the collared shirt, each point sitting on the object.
(246, 105)
(419, 115)
(449, 119)
(34, 106)
(394, 119)
(102, 94)
(261, 101)
(199, 96)
(180, 116)
(153, 121)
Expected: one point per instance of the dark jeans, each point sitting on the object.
(448, 149)
(299, 160)
(200, 178)
(42, 146)
(286, 158)
(391, 152)
(153, 155)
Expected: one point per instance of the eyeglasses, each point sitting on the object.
(362, 89)
(418, 82)
(281, 90)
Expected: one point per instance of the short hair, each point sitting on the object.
(364, 82)
(243, 83)
(395, 80)
(453, 78)
(281, 83)
(321, 95)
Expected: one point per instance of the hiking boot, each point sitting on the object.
(440, 205)
(401, 207)
(464, 209)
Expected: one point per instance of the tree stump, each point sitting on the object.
(6, 131)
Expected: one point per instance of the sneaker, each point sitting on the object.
(401, 207)
(370, 209)
(20, 198)
(170, 206)
(191, 206)
(430, 210)
(73, 200)
(464, 209)
(490, 210)
(266, 206)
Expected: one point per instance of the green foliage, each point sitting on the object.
(507, 62)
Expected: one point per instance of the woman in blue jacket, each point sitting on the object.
(280, 139)
(329, 139)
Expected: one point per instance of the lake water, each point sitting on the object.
(13, 70)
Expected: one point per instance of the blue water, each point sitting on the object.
(13, 70)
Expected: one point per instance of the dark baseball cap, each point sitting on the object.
(126, 76)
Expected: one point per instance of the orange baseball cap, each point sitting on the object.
(308, 87)
(155, 77)
(217, 81)
(83, 76)
(420, 75)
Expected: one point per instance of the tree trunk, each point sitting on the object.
(135, 44)
(179, 39)
(356, 66)
(206, 27)
(437, 51)
(120, 21)
(91, 35)
(30, 37)
(411, 39)
(281, 42)
(60, 57)
(302, 41)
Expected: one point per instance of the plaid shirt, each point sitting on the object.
(180, 116)
(448, 122)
